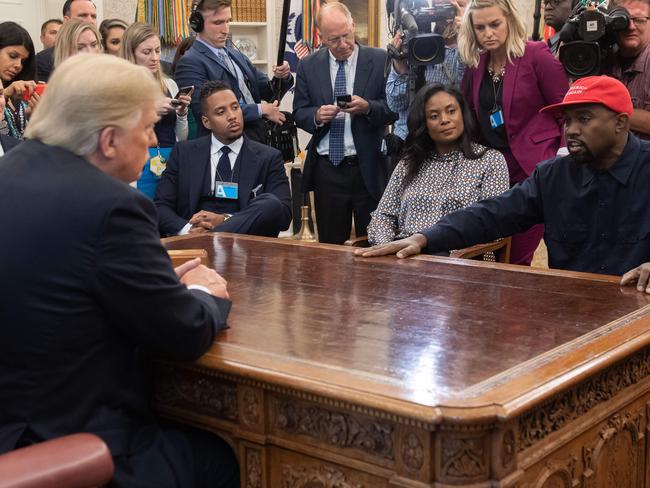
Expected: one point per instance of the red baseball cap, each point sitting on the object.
(604, 90)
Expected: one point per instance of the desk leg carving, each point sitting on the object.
(252, 468)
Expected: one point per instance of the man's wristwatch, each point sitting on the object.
(226, 216)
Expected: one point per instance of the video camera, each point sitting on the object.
(589, 37)
(416, 18)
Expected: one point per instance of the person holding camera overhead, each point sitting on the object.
(631, 65)
(449, 72)
(141, 45)
(506, 82)
(340, 99)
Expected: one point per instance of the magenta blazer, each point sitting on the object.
(531, 82)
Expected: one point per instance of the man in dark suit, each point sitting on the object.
(210, 59)
(223, 182)
(7, 143)
(90, 286)
(345, 165)
(72, 9)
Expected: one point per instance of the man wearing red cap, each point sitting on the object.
(594, 202)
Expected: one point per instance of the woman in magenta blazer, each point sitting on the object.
(506, 82)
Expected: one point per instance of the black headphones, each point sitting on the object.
(196, 18)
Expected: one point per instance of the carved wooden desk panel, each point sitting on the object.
(340, 372)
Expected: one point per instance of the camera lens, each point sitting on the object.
(580, 58)
(427, 49)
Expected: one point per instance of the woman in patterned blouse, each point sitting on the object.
(442, 169)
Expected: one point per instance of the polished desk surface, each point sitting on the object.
(426, 336)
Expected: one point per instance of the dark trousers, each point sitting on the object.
(263, 217)
(339, 193)
(176, 457)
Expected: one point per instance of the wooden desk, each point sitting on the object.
(341, 372)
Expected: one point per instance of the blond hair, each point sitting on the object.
(468, 46)
(87, 93)
(135, 35)
(66, 39)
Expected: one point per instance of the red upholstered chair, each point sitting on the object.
(74, 461)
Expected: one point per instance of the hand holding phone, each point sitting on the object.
(185, 90)
(38, 89)
(343, 100)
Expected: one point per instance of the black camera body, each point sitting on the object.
(415, 18)
(589, 37)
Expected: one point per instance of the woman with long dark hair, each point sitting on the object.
(17, 72)
(442, 168)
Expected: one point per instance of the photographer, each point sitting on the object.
(631, 65)
(449, 72)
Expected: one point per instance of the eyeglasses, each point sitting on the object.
(640, 21)
(335, 41)
(553, 3)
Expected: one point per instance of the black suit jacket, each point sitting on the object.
(84, 291)
(187, 178)
(314, 88)
(199, 64)
(8, 142)
(44, 64)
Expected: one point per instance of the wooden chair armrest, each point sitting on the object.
(357, 242)
(180, 256)
(74, 461)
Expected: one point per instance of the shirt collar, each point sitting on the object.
(350, 61)
(216, 145)
(639, 63)
(622, 167)
(215, 50)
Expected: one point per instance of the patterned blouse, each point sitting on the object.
(445, 182)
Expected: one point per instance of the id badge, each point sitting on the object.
(227, 190)
(496, 118)
(157, 165)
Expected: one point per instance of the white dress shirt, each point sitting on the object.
(215, 155)
(350, 72)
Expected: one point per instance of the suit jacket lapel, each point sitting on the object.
(202, 48)
(246, 167)
(323, 66)
(478, 79)
(509, 81)
(362, 73)
(200, 172)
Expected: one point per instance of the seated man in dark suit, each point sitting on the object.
(223, 182)
(210, 58)
(90, 287)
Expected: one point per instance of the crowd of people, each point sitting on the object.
(105, 148)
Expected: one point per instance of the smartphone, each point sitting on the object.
(343, 100)
(175, 103)
(185, 90)
(40, 88)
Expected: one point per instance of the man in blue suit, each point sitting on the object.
(340, 99)
(223, 182)
(210, 59)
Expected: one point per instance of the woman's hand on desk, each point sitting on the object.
(639, 275)
(403, 248)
